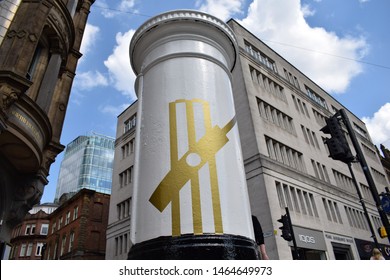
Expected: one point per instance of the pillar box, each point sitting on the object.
(190, 197)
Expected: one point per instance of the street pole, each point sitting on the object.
(366, 171)
(296, 255)
(361, 200)
(190, 198)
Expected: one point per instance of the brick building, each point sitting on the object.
(77, 228)
(29, 237)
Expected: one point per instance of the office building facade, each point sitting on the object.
(39, 50)
(280, 112)
(118, 230)
(87, 164)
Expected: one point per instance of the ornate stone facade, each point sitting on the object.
(38, 60)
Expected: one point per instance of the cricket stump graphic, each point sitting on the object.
(190, 198)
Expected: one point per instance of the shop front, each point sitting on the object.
(310, 244)
(343, 247)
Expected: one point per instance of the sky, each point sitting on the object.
(343, 46)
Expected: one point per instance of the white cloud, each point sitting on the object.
(89, 80)
(109, 12)
(318, 53)
(89, 38)
(379, 126)
(126, 4)
(113, 110)
(222, 9)
(118, 64)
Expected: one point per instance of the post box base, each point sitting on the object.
(196, 247)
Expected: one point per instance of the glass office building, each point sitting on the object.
(87, 163)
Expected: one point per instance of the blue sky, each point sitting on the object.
(341, 45)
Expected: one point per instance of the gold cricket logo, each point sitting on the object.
(205, 149)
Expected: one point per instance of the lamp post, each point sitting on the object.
(190, 197)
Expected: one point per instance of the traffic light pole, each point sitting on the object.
(296, 253)
(366, 171)
(361, 200)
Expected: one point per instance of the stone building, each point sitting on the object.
(280, 113)
(118, 230)
(39, 51)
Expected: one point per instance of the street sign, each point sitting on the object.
(386, 204)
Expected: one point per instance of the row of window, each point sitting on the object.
(303, 202)
(130, 123)
(273, 87)
(310, 137)
(261, 57)
(123, 209)
(126, 177)
(122, 244)
(128, 149)
(284, 154)
(300, 106)
(291, 79)
(267, 83)
(52, 253)
(320, 171)
(356, 218)
(332, 210)
(26, 249)
(316, 98)
(296, 199)
(58, 224)
(275, 116)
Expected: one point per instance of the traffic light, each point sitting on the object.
(382, 232)
(337, 144)
(286, 228)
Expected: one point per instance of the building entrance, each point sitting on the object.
(342, 251)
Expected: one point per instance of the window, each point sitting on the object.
(320, 171)
(34, 62)
(291, 78)
(316, 98)
(38, 249)
(71, 241)
(310, 137)
(29, 249)
(260, 57)
(60, 220)
(54, 227)
(75, 212)
(300, 106)
(63, 245)
(28, 230)
(44, 229)
(32, 229)
(23, 250)
(130, 123)
(360, 131)
(67, 218)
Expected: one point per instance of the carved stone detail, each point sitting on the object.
(8, 97)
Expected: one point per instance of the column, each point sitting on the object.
(190, 197)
